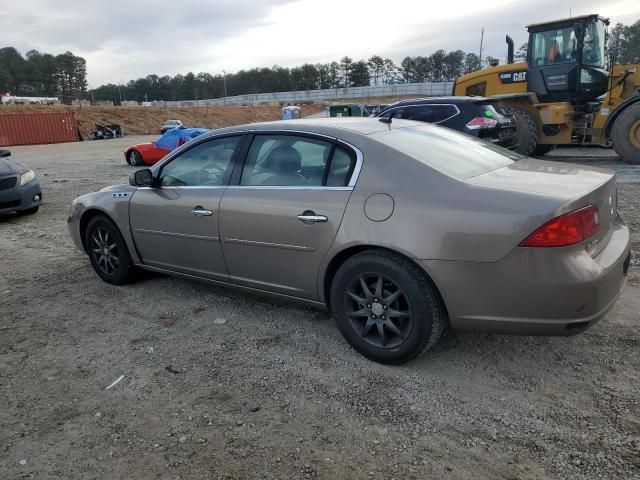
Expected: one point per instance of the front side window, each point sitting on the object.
(293, 161)
(422, 113)
(203, 165)
(554, 46)
(594, 40)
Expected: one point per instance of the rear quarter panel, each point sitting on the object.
(435, 216)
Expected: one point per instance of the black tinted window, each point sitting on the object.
(478, 89)
(448, 111)
(423, 113)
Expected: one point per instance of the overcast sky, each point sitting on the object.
(122, 40)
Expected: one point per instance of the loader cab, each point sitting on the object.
(566, 59)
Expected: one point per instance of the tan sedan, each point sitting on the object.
(398, 228)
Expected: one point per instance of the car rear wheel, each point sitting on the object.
(386, 307)
(108, 251)
(135, 159)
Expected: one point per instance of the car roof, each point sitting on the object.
(327, 126)
(449, 99)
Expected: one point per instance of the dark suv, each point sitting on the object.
(472, 115)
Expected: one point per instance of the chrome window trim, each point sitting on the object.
(424, 104)
(290, 187)
(199, 139)
(174, 187)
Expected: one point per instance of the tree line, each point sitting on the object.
(624, 43)
(437, 67)
(43, 74)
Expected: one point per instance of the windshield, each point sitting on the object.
(554, 46)
(450, 152)
(172, 122)
(594, 44)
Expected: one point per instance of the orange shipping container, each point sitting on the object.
(36, 128)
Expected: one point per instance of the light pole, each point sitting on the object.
(224, 81)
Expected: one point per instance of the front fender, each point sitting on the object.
(608, 125)
(113, 202)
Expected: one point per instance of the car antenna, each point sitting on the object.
(385, 119)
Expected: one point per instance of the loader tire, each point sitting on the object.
(542, 149)
(626, 134)
(527, 131)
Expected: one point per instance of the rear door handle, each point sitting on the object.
(201, 212)
(311, 217)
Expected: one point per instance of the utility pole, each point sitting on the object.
(224, 80)
(481, 40)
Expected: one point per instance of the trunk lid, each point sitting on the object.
(573, 186)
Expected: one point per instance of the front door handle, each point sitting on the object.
(309, 216)
(201, 212)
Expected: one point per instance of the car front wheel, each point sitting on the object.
(108, 251)
(386, 307)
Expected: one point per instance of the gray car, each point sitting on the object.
(397, 228)
(20, 192)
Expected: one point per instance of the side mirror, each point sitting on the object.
(5, 153)
(141, 178)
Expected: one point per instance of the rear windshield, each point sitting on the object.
(446, 150)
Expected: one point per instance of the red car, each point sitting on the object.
(150, 153)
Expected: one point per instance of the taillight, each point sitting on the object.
(568, 229)
(481, 122)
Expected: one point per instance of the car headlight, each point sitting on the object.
(27, 177)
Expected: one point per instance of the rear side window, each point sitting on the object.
(446, 150)
(448, 111)
(295, 161)
(341, 168)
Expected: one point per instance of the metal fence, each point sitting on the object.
(332, 94)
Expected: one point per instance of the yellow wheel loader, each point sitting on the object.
(564, 93)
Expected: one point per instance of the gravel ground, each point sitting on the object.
(219, 384)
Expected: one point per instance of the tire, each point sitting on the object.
(360, 317)
(626, 134)
(134, 158)
(101, 234)
(29, 211)
(542, 149)
(527, 131)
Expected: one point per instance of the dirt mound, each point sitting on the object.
(147, 120)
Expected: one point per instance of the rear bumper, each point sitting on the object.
(535, 291)
(502, 136)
